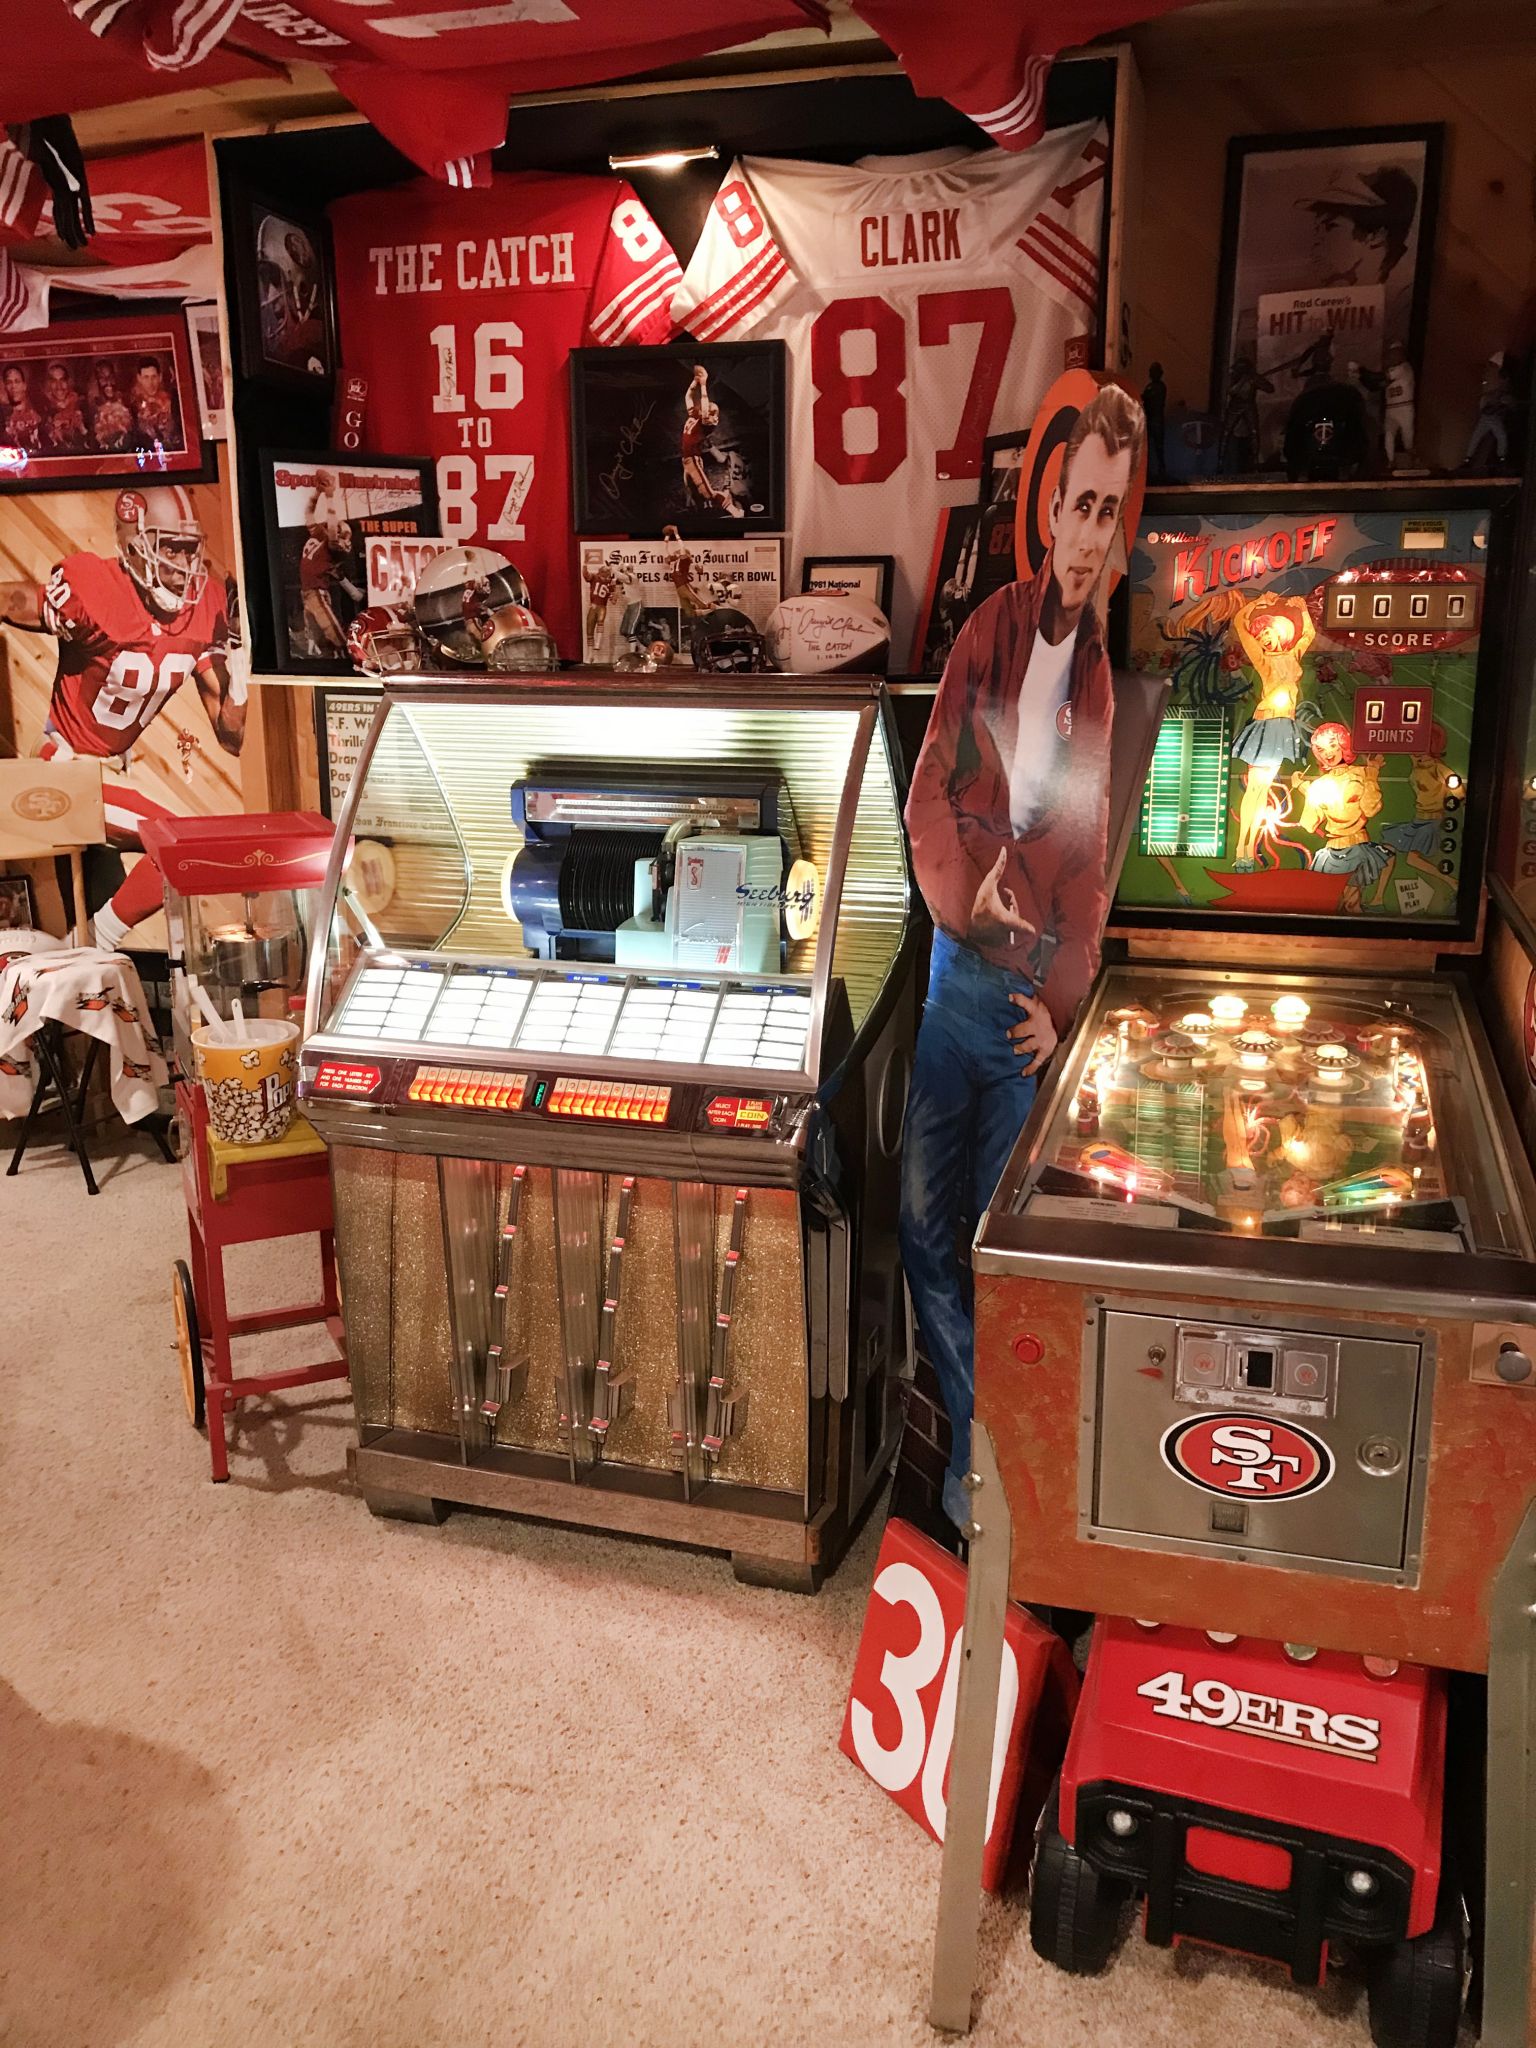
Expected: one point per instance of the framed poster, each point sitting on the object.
(1325, 261)
(97, 401)
(947, 598)
(321, 512)
(208, 370)
(689, 436)
(647, 593)
(285, 293)
(867, 576)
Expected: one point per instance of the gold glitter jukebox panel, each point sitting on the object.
(610, 1042)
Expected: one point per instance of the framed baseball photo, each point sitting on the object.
(688, 436)
(1325, 260)
(95, 402)
(322, 512)
(866, 576)
(285, 293)
(17, 912)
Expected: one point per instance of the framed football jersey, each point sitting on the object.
(460, 308)
(927, 301)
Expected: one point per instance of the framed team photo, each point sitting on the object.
(639, 598)
(867, 576)
(322, 512)
(1325, 262)
(689, 436)
(92, 402)
(208, 370)
(17, 912)
(285, 293)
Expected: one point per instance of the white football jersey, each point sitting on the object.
(927, 302)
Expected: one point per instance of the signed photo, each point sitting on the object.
(689, 436)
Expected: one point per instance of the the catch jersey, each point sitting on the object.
(460, 308)
(927, 301)
(119, 661)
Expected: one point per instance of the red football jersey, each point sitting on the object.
(118, 660)
(460, 308)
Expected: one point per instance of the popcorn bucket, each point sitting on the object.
(248, 1080)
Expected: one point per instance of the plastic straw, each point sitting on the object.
(215, 1022)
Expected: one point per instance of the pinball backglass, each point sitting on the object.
(1319, 758)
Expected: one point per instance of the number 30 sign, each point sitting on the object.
(900, 1719)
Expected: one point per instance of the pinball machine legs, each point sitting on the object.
(990, 1540)
(1509, 2005)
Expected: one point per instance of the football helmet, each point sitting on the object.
(160, 543)
(725, 642)
(383, 641)
(518, 641)
(457, 597)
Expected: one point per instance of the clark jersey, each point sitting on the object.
(460, 309)
(119, 661)
(927, 302)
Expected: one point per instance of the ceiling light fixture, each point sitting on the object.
(664, 159)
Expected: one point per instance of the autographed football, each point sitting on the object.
(824, 632)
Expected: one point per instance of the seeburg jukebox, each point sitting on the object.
(613, 1079)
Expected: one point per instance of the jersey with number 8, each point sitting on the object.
(927, 302)
(460, 308)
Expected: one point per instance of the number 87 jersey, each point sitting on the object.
(927, 302)
(460, 308)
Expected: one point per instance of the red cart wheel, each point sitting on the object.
(189, 1343)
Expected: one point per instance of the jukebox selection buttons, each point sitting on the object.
(625, 1102)
(468, 1088)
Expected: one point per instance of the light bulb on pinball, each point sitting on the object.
(1332, 1062)
(1290, 1012)
(1199, 1024)
(1228, 1011)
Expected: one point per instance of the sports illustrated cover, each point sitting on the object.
(686, 436)
(645, 593)
(393, 562)
(321, 514)
(1008, 820)
(127, 650)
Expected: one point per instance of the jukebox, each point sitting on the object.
(611, 1054)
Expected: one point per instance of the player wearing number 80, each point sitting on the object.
(130, 633)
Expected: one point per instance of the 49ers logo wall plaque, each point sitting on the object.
(1247, 1458)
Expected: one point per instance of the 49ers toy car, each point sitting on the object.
(1278, 1800)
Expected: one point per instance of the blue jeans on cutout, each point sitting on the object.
(968, 1103)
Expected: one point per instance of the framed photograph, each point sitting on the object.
(285, 293)
(208, 370)
(689, 436)
(947, 599)
(322, 511)
(94, 401)
(868, 576)
(17, 911)
(643, 594)
(1001, 470)
(1325, 261)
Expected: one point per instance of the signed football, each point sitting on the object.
(825, 631)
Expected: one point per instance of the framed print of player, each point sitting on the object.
(1008, 818)
(866, 576)
(687, 436)
(1325, 268)
(322, 510)
(100, 402)
(285, 293)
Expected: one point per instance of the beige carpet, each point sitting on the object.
(275, 1773)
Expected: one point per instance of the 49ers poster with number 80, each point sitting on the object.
(121, 643)
(460, 308)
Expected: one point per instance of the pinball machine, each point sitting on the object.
(610, 1039)
(1256, 1295)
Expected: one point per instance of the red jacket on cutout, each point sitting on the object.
(958, 808)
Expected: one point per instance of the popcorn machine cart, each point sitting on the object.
(612, 1064)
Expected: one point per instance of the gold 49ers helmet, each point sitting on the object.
(160, 543)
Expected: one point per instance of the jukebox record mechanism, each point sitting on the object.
(725, 1413)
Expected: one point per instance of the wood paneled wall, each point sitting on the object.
(1201, 91)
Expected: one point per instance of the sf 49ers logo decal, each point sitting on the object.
(1247, 1457)
(1212, 1703)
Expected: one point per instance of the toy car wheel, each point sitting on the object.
(1415, 1988)
(1074, 1913)
(189, 1343)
